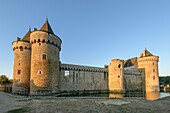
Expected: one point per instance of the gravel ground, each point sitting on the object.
(17, 104)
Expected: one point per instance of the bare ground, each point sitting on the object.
(17, 104)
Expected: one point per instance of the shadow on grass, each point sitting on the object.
(20, 110)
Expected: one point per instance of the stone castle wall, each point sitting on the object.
(37, 67)
(134, 79)
(79, 78)
(75, 77)
(150, 64)
(116, 76)
(21, 71)
(44, 62)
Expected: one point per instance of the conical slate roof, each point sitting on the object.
(27, 36)
(46, 27)
(146, 53)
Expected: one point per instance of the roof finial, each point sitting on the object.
(29, 29)
(46, 18)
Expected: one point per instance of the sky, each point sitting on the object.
(93, 32)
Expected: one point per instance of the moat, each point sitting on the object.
(147, 95)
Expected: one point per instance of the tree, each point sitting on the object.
(164, 80)
(4, 79)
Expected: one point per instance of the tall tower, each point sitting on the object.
(46, 48)
(149, 63)
(116, 76)
(22, 59)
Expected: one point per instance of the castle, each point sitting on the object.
(37, 68)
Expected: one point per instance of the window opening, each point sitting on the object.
(21, 48)
(44, 57)
(119, 66)
(19, 71)
(67, 73)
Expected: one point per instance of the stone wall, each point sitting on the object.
(134, 79)
(150, 64)
(44, 62)
(21, 70)
(116, 76)
(75, 77)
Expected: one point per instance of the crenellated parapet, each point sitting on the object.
(148, 59)
(21, 45)
(41, 37)
(82, 68)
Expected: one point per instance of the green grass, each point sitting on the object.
(20, 110)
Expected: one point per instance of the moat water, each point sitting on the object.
(146, 95)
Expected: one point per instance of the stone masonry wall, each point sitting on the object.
(74, 77)
(150, 64)
(21, 71)
(44, 62)
(134, 80)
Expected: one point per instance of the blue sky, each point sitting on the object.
(93, 31)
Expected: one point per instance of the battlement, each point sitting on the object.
(21, 45)
(82, 68)
(146, 59)
(45, 38)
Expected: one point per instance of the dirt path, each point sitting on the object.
(81, 105)
(6, 102)
(9, 102)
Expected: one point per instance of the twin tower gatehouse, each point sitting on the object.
(37, 69)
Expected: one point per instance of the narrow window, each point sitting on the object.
(119, 66)
(19, 72)
(67, 73)
(43, 41)
(154, 77)
(153, 63)
(40, 72)
(44, 57)
(118, 76)
(21, 48)
(153, 70)
(105, 75)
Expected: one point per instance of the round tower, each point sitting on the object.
(21, 70)
(149, 63)
(46, 47)
(116, 76)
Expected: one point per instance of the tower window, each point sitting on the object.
(153, 70)
(153, 63)
(19, 72)
(40, 72)
(105, 75)
(118, 76)
(21, 48)
(154, 77)
(67, 73)
(44, 57)
(119, 66)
